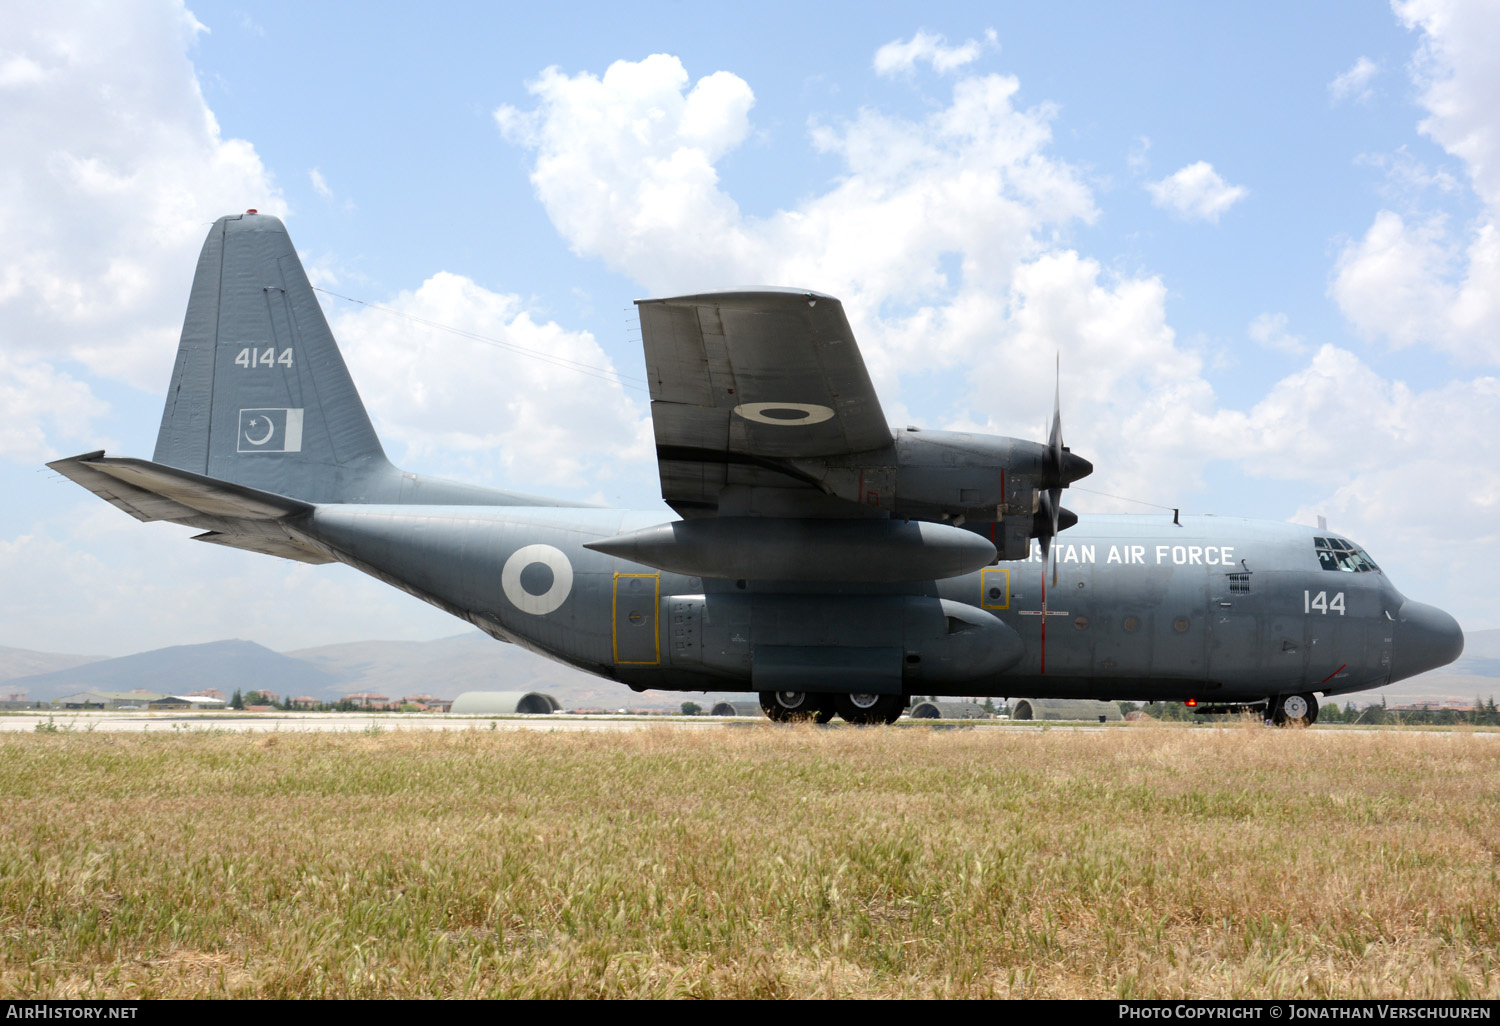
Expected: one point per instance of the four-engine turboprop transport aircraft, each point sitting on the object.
(823, 560)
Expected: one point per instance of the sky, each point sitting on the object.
(1263, 241)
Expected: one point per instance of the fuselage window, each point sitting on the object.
(1338, 554)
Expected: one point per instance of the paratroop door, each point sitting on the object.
(636, 634)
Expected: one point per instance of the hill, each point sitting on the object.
(226, 665)
(21, 662)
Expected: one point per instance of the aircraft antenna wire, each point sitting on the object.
(1123, 498)
(603, 373)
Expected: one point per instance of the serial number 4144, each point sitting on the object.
(267, 357)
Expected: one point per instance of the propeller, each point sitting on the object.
(1060, 468)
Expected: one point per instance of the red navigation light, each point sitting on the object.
(1191, 702)
(252, 211)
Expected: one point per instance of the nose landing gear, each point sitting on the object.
(1294, 710)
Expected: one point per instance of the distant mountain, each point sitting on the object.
(1481, 654)
(21, 662)
(466, 662)
(225, 665)
(445, 668)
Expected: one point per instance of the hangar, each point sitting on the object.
(723, 708)
(135, 700)
(504, 703)
(1064, 709)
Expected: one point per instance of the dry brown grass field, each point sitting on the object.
(1147, 861)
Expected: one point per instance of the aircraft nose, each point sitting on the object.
(1426, 638)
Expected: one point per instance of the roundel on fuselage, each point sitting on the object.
(552, 595)
(784, 414)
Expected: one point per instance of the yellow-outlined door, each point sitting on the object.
(994, 589)
(633, 610)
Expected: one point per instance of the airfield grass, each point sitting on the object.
(1148, 861)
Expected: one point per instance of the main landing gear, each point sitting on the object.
(791, 706)
(797, 706)
(1293, 710)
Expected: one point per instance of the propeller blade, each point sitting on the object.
(1060, 468)
(1054, 435)
(1055, 505)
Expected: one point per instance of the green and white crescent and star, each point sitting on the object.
(1262, 238)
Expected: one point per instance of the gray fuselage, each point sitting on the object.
(1213, 608)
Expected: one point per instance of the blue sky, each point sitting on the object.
(1262, 239)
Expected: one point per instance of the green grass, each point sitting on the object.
(757, 862)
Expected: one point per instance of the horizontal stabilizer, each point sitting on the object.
(286, 548)
(150, 491)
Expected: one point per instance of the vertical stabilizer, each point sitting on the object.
(260, 394)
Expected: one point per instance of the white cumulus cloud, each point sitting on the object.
(494, 395)
(1269, 330)
(1354, 83)
(1196, 193)
(1420, 279)
(113, 168)
(43, 406)
(898, 57)
(625, 166)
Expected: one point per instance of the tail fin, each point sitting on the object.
(260, 395)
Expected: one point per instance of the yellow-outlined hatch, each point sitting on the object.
(635, 641)
(989, 580)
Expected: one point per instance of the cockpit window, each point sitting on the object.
(1338, 554)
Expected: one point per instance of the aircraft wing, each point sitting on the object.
(744, 382)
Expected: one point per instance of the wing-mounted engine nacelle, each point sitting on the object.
(955, 477)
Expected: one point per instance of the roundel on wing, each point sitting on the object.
(784, 414)
(553, 594)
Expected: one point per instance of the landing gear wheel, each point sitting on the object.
(897, 708)
(865, 708)
(1294, 711)
(790, 706)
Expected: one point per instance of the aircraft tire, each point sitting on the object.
(791, 706)
(1294, 710)
(865, 709)
(897, 708)
(827, 709)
